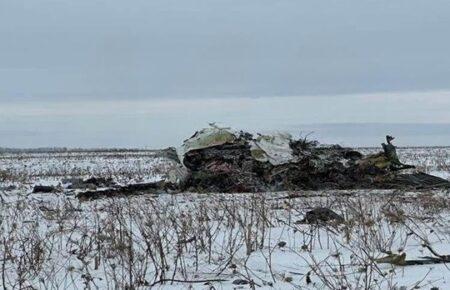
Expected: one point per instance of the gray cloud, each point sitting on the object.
(201, 48)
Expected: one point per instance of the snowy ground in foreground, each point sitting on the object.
(56, 242)
(52, 241)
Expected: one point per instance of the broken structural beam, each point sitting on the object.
(128, 190)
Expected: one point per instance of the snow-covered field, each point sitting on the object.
(213, 241)
(27, 169)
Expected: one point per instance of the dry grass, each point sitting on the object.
(139, 242)
(55, 242)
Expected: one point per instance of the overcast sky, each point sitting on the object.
(52, 49)
(102, 53)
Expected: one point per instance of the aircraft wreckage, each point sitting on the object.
(218, 159)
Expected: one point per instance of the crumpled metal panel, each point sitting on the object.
(207, 137)
(274, 148)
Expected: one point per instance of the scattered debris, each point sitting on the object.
(240, 282)
(131, 189)
(321, 215)
(308, 278)
(44, 189)
(400, 260)
(282, 244)
(187, 241)
(394, 259)
(90, 183)
(420, 180)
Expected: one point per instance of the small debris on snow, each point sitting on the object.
(44, 189)
(321, 214)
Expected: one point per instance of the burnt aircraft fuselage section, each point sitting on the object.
(238, 165)
(221, 160)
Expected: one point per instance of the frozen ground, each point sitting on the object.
(209, 241)
(23, 170)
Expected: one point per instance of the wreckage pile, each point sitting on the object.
(222, 160)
